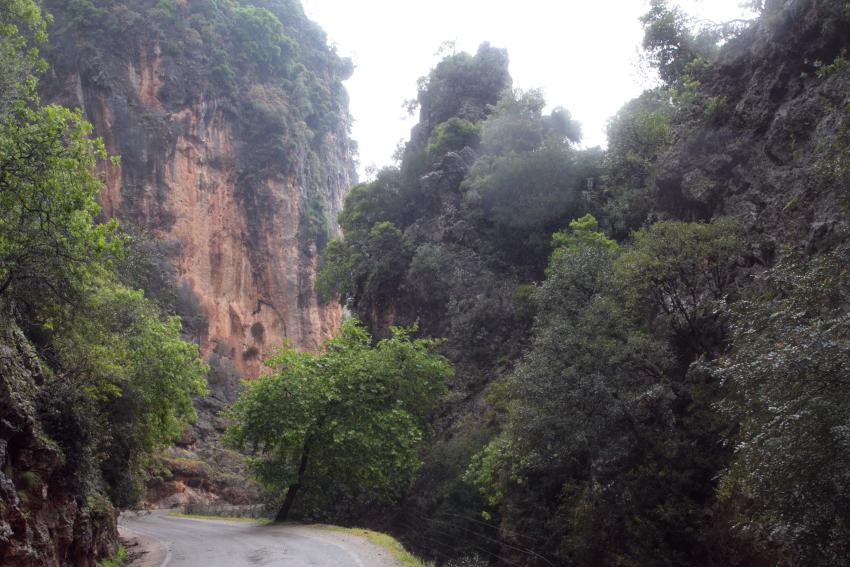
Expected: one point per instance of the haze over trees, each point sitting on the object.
(644, 377)
(556, 355)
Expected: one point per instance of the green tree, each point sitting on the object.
(523, 197)
(462, 78)
(671, 43)
(681, 271)
(49, 242)
(452, 135)
(637, 136)
(517, 124)
(19, 62)
(365, 270)
(787, 379)
(353, 415)
(611, 444)
(580, 231)
(121, 353)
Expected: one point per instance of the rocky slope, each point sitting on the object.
(770, 147)
(42, 521)
(234, 175)
(232, 127)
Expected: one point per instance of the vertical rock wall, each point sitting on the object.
(241, 237)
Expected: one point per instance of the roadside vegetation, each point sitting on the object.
(343, 425)
(118, 379)
(118, 560)
(399, 553)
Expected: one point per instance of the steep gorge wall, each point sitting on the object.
(773, 150)
(240, 208)
(42, 519)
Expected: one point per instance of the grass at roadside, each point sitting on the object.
(116, 560)
(387, 542)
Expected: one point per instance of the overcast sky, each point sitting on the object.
(583, 54)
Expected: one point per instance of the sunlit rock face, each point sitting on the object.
(241, 215)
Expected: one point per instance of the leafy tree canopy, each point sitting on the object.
(787, 379)
(352, 416)
(517, 124)
(603, 420)
(462, 85)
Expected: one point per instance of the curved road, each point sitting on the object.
(221, 543)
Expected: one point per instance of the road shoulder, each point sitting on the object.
(142, 550)
(368, 553)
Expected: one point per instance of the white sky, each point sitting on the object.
(583, 54)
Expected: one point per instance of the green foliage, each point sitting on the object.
(349, 419)
(692, 102)
(261, 36)
(460, 78)
(452, 135)
(580, 232)
(839, 65)
(221, 73)
(787, 378)
(318, 225)
(527, 191)
(49, 243)
(393, 546)
(118, 560)
(339, 273)
(681, 270)
(637, 135)
(370, 203)
(125, 348)
(367, 269)
(671, 43)
(598, 458)
(125, 390)
(19, 62)
(517, 124)
(119, 379)
(84, 13)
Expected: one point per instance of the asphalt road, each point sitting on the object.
(220, 543)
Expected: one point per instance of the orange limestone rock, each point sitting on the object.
(237, 229)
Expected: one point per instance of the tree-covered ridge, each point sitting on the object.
(227, 43)
(118, 379)
(639, 382)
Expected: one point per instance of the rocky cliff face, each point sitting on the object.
(42, 521)
(239, 177)
(772, 151)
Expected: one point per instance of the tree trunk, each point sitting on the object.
(283, 513)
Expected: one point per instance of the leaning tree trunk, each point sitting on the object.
(292, 491)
